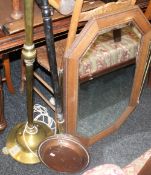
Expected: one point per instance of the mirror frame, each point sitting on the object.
(101, 24)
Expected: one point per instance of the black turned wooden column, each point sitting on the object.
(2, 119)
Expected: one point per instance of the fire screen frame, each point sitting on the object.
(101, 24)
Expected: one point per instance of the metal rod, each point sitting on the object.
(29, 54)
(46, 14)
(28, 12)
(2, 119)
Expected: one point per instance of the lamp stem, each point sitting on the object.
(29, 54)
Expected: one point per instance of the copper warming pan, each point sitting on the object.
(63, 153)
(60, 152)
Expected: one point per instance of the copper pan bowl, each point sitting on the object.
(63, 153)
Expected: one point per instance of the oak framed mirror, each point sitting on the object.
(94, 109)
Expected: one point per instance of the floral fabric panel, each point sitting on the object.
(104, 52)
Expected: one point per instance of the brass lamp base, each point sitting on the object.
(23, 141)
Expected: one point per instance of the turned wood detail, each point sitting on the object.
(2, 119)
(16, 7)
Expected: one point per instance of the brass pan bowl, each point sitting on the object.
(63, 153)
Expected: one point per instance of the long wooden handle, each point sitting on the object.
(48, 29)
(74, 23)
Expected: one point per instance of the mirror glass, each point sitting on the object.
(102, 100)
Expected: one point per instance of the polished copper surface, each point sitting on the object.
(63, 153)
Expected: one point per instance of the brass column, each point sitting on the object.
(24, 139)
(29, 54)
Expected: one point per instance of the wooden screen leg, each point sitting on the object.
(16, 13)
(2, 119)
(149, 77)
(6, 65)
(117, 35)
